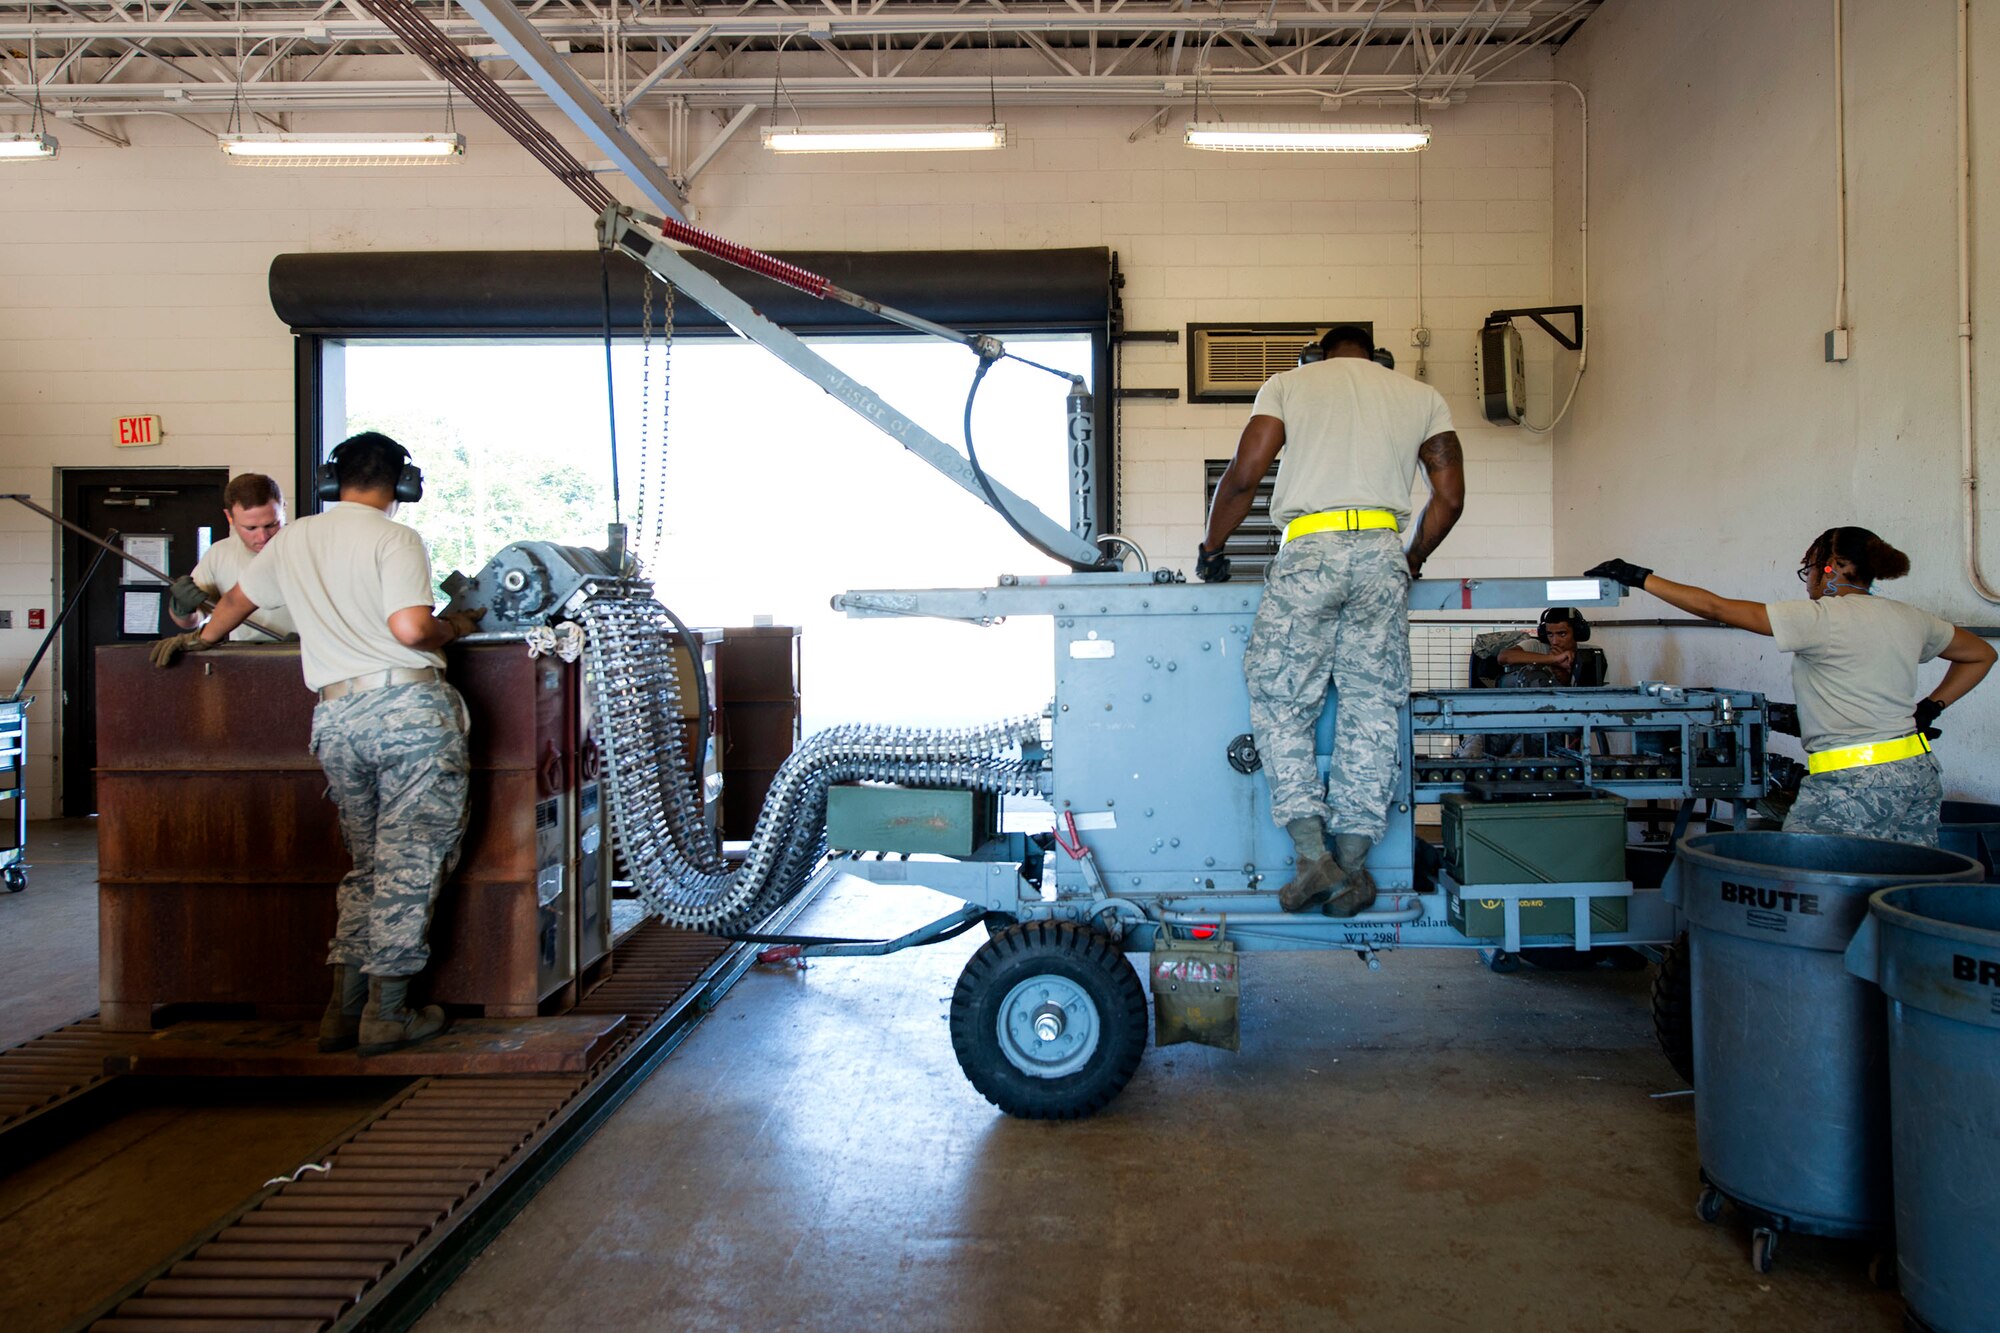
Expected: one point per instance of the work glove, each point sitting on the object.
(186, 596)
(1784, 718)
(1927, 713)
(464, 622)
(171, 647)
(1631, 575)
(1211, 566)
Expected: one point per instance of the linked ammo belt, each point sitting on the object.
(1340, 520)
(1871, 752)
(375, 680)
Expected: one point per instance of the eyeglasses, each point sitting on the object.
(1805, 573)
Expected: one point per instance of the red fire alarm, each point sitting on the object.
(36, 617)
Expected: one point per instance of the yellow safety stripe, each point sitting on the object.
(1874, 752)
(1340, 520)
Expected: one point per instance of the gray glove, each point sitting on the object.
(186, 596)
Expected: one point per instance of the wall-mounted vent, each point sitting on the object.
(1228, 363)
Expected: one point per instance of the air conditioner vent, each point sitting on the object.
(1228, 363)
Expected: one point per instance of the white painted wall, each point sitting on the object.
(134, 279)
(1711, 440)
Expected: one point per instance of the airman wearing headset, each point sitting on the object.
(1548, 657)
(388, 730)
(1866, 732)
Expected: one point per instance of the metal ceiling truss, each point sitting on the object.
(92, 59)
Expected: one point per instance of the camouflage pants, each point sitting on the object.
(1336, 606)
(1898, 801)
(396, 765)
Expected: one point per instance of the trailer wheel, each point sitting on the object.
(1673, 1008)
(1559, 959)
(1049, 1020)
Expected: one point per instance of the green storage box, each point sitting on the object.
(948, 822)
(1532, 842)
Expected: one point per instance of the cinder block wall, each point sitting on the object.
(134, 280)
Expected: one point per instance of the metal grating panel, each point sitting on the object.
(1252, 547)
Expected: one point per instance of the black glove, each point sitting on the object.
(186, 596)
(1627, 573)
(1211, 566)
(1783, 718)
(1927, 713)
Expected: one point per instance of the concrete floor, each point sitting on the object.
(1429, 1146)
(94, 1213)
(48, 933)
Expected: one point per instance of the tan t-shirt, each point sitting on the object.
(222, 569)
(1854, 665)
(343, 573)
(1352, 431)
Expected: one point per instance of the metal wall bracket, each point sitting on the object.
(1571, 341)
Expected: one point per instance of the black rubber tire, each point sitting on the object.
(1559, 959)
(1763, 1249)
(1503, 963)
(1709, 1206)
(1673, 1008)
(16, 879)
(1088, 958)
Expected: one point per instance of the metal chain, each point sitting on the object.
(657, 531)
(642, 516)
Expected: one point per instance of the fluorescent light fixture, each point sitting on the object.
(22, 147)
(885, 138)
(1235, 138)
(342, 150)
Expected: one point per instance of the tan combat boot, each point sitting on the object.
(1318, 874)
(340, 1025)
(1351, 852)
(389, 1024)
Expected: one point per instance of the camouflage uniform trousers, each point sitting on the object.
(1336, 605)
(396, 765)
(1898, 801)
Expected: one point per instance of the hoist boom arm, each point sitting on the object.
(620, 230)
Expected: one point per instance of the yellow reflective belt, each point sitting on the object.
(1874, 752)
(1340, 520)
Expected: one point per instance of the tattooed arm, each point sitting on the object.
(1444, 465)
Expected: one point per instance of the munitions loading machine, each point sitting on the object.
(1161, 815)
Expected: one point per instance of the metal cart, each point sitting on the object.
(14, 765)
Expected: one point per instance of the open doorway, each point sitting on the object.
(776, 497)
(165, 516)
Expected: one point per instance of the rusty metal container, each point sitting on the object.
(218, 850)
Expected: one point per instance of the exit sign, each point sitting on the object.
(136, 431)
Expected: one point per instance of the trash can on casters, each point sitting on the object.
(1935, 949)
(1791, 1084)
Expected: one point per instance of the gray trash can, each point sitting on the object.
(1790, 1076)
(1970, 828)
(1935, 950)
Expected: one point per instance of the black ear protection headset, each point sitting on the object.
(409, 481)
(1578, 625)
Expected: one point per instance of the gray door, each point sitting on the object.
(165, 505)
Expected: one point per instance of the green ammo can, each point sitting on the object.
(1531, 842)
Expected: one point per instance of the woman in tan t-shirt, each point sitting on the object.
(1854, 674)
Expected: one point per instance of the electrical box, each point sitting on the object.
(880, 818)
(1502, 374)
